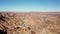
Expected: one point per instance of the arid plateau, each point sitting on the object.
(30, 23)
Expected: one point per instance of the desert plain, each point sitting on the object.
(30, 22)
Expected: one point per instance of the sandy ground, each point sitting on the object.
(30, 23)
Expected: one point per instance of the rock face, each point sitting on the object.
(29, 23)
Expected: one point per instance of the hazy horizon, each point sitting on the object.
(30, 5)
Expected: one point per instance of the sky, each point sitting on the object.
(29, 5)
